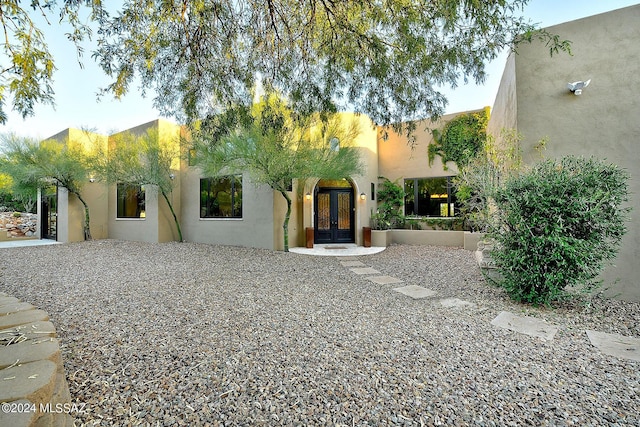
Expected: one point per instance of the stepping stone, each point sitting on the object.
(352, 263)
(22, 317)
(365, 270)
(15, 307)
(384, 280)
(8, 300)
(33, 381)
(415, 292)
(35, 330)
(525, 325)
(30, 351)
(616, 345)
(455, 303)
(348, 258)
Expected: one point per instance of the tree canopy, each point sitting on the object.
(387, 59)
(26, 64)
(383, 58)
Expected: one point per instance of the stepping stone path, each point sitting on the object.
(616, 345)
(525, 325)
(365, 270)
(353, 264)
(415, 292)
(384, 280)
(612, 344)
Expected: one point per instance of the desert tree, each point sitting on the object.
(26, 64)
(387, 59)
(148, 159)
(276, 146)
(32, 163)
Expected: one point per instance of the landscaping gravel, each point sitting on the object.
(183, 334)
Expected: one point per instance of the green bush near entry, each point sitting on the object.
(391, 198)
(558, 225)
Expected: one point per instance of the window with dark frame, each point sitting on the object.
(221, 197)
(130, 201)
(429, 197)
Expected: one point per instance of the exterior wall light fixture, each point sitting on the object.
(307, 196)
(92, 179)
(363, 196)
(576, 87)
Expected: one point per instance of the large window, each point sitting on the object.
(131, 201)
(429, 197)
(221, 197)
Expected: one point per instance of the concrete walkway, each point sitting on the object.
(27, 242)
(337, 249)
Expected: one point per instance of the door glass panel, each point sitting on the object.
(324, 211)
(344, 211)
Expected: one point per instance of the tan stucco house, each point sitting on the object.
(533, 98)
(232, 210)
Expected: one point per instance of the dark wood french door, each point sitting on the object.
(334, 218)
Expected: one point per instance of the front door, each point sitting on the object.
(334, 219)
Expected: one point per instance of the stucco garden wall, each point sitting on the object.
(399, 159)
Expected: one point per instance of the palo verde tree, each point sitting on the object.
(276, 147)
(149, 159)
(63, 163)
(20, 196)
(383, 58)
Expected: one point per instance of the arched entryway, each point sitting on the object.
(334, 213)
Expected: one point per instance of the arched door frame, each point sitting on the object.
(334, 212)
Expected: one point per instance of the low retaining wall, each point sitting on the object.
(460, 239)
(33, 385)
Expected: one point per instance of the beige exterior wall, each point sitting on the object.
(398, 158)
(504, 113)
(254, 229)
(158, 224)
(602, 122)
(70, 210)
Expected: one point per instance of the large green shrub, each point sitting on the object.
(558, 224)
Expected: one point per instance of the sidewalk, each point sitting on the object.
(337, 249)
(21, 243)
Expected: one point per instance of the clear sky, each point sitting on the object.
(76, 87)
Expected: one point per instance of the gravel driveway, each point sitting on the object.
(193, 334)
